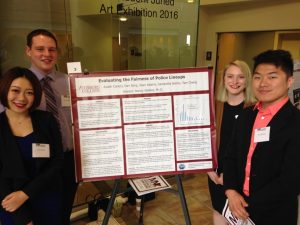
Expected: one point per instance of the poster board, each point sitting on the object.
(143, 123)
(294, 90)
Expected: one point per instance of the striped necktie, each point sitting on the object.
(51, 104)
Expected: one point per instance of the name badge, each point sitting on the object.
(65, 100)
(40, 150)
(262, 134)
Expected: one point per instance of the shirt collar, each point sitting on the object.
(272, 109)
(40, 74)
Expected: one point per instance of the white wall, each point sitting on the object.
(256, 16)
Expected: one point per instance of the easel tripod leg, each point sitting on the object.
(111, 201)
(182, 199)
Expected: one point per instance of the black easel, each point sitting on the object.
(182, 199)
(111, 201)
(141, 222)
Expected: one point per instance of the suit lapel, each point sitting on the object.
(281, 117)
(277, 123)
(12, 160)
(249, 122)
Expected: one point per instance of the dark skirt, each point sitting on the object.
(217, 195)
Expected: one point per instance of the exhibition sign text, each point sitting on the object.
(162, 9)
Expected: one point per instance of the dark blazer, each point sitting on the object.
(13, 176)
(275, 166)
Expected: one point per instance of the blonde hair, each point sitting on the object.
(222, 94)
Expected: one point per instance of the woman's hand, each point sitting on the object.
(237, 204)
(14, 200)
(220, 179)
(30, 223)
(215, 177)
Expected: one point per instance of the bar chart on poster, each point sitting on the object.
(142, 123)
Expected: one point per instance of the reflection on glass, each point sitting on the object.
(154, 35)
(17, 19)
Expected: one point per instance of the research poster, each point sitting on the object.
(294, 90)
(143, 123)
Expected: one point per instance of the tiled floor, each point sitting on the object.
(166, 208)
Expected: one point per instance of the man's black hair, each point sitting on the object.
(280, 58)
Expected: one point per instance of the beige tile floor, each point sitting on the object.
(166, 208)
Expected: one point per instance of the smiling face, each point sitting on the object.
(234, 80)
(270, 84)
(20, 95)
(42, 53)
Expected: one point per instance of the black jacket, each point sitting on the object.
(13, 176)
(275, 166)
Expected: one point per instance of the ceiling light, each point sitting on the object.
(123, 19)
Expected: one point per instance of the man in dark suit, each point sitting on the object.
(261, 169)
